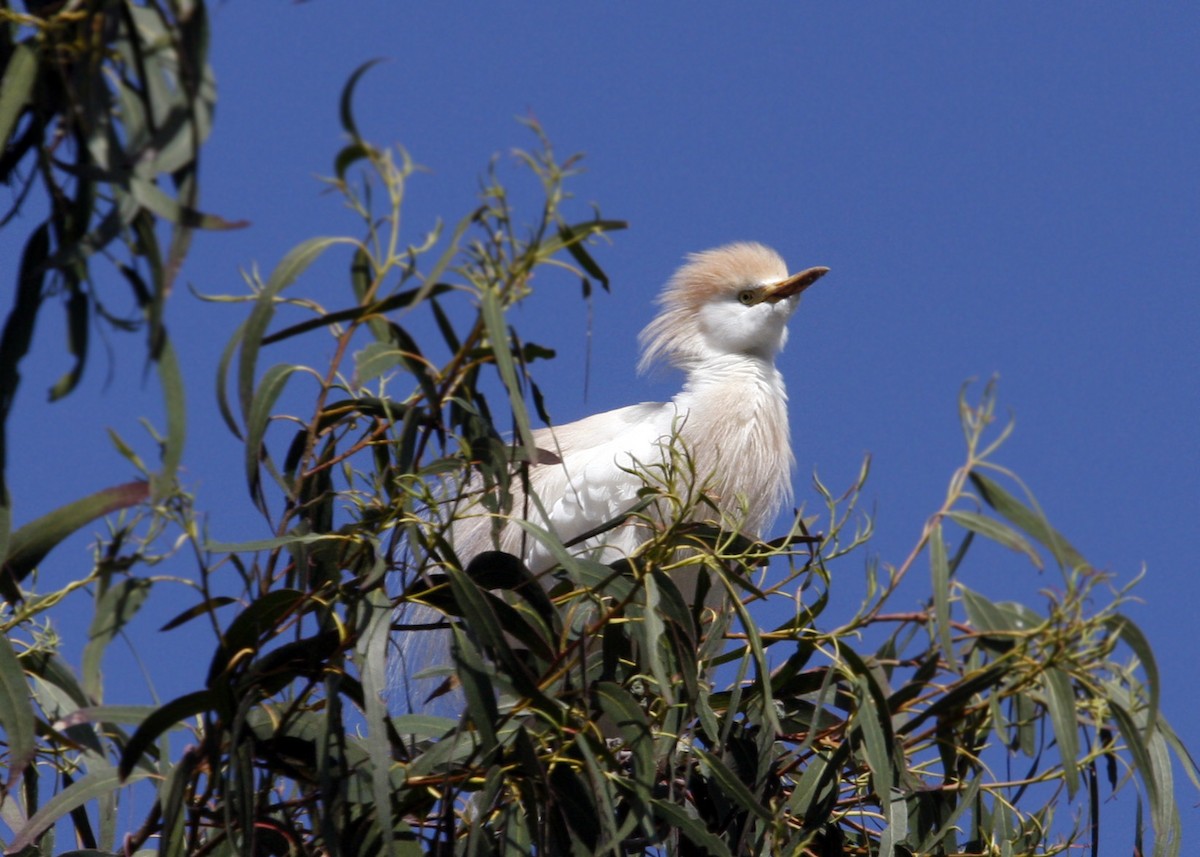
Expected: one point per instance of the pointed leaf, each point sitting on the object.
(157, 723)
(258, 418)
(1060, 700)
(497, 331)
(114, 609)
(346, 109)
(731, 785)
(17, 719)
(1029, 521)
(258, 622)
(171, 379)
(295, 263)
(1128, 631)
(78, 311)
(997, 532)
(30, 544)
(97, 785)
(692, 828)
(939, 568)
(16, 88)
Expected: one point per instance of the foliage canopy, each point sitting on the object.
(598, 710)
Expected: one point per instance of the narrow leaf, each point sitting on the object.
(732, 787)
(1060, 700)
(171, 379)
(346, 108)
(693, 829)
(1128, 631)
(939, 568)
(114, 609)
(78, 309)
(1029, 521)
(295, 263)
(30, 544)
(493, 317)
(16, 88)
(17, 718)
(259, 621)
(258, 418)
(157, 723)
(997, 532)
(97, 785)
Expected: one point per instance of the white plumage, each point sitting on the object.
(722, 320)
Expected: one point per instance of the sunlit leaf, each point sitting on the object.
(996, 531)
(1060, 700)
(1031, 522)
(939, 568)
(16, 713)
(16, 88)
(93, 786)
(1128, 631)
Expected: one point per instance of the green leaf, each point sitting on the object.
(422, 726)
(731, 786)
(173, 211)
(258, 622)
(174, 403)
(621, 708)
(573, 238)
(871, 715)
(119, 604)
(997, 532)
(958, 695)
(691, 827)
(97, 785)
(1127, 630)
(258, 418)
(372, 655)
(1031, 522)
(943, 839)
(346, 108)
(473, 675)
(1060, 700)
(939, 568)
(1005, 622)
(17, 719)
(482, 613)
(30, 544)
(1148, 761)
(493, 318)
(250, 337)
(78, 311)
(157, 723)
(111, 714)
(16, 88)
(205, 608)
(371, 313)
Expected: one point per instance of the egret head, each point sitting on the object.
(732, 300)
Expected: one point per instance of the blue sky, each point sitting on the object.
(1008, 189)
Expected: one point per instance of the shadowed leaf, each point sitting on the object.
(30, 544)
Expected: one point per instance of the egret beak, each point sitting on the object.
(794, 284)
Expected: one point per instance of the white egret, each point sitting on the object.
(722, 320)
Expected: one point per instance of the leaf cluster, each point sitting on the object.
(637, 707)
(103, 109)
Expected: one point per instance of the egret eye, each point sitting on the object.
(746, 297)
